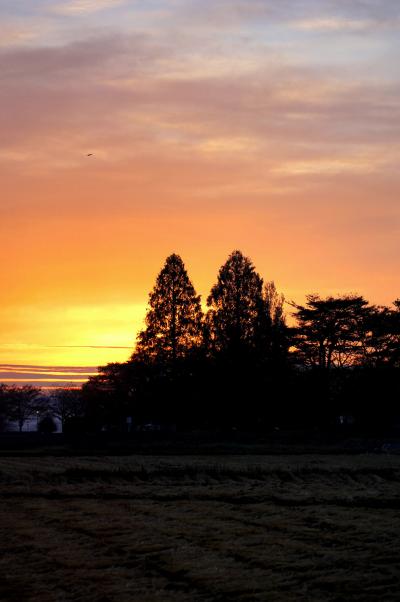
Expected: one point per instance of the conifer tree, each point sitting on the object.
(174, 318)
(237, 316)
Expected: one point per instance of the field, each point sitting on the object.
(227, 528)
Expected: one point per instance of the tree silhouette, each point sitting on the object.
(381, 337)
(238, 331)
(237, 316)
(279, 332)
(242, 367)
(329, 332)
(3, 406)
(108, 397)
(47, 425)
(274, 304)
(67, 405)
(174, 318)
(22, 403)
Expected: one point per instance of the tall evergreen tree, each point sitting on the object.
(237, 316)
(174, 318)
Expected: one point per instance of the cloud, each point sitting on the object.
(345, 25)
(355, 164)
(308, 14)
(332, 24)
(20, 31)
(21, 374)
(22, 368)
(13, 35)
(83, 7)
(130, 97)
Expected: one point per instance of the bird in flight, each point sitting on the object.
(89, 155)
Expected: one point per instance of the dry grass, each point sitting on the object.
(268, 528)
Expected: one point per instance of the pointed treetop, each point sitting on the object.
(236, 304)
(174, 318)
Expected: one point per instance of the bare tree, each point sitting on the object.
(22, 403)
(66, 404)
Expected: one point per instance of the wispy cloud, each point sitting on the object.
(336, 24)
(34, 347)
(126, 113)
(14, 35)
(82, 7)
(16, 31)
(46, 376)
(352, 164)
(54, 369)
(332, 24)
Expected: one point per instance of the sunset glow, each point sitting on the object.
(130, 131)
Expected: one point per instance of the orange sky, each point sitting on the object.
(213, 126)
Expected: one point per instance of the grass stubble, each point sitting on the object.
(155, 529)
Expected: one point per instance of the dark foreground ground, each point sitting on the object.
(190, 528)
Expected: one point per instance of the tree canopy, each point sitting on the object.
(237, 314)
(328, 330)
(239, 367)
(22, 402)
(174, 318)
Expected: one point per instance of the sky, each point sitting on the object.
(212, 125)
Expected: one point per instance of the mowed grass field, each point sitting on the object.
(226, 528)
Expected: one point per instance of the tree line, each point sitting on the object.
(240, 365)
(21, 404)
